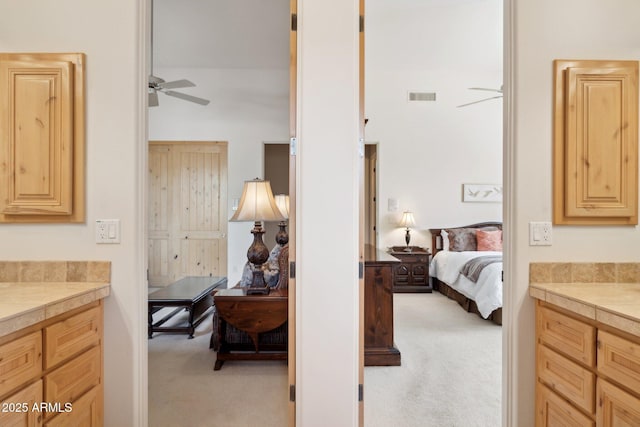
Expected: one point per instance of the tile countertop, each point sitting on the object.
(23, 304)
(613, 304)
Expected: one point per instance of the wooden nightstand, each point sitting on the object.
(412, 274)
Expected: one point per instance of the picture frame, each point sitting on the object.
(482, 193)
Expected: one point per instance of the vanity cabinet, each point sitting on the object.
(588, 374)
(51, 373)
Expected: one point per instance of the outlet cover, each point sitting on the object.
(108, 231)
(540, 233)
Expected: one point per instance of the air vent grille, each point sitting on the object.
(422, 96)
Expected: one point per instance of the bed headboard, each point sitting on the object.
(436, 238)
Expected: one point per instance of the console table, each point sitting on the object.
(379, 348)
(253, 314)
(189, 293)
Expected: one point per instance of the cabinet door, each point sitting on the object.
(86, 411)
(69, 337)
(596, 142)
(619, 359)
(553, 411)
(20, 361)
(616, 407)
(41, 138)
(17, 409)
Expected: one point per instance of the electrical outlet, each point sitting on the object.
(540, 233)
(108, 231)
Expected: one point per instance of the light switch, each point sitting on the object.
(108, 231)
(393, 205)
(540, 233)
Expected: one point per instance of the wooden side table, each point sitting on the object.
(412, 274)
(253, 314)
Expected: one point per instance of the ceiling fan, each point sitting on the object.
(156, 84)
(484, 99)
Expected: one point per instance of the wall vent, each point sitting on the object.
(422, 96)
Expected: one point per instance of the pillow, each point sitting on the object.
(445, 240)
(462, 239)
(489, 240)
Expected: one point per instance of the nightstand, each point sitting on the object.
(412, 274)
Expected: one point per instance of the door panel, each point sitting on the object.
(187, 208)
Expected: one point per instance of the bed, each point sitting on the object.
(466, 266)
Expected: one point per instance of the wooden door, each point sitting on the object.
(187, 210)
(293, 85)
(361, 221)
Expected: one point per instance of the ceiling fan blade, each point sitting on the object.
(476, 102)
(487, 89)
(153, 99)
(176, 84)
(186, 97)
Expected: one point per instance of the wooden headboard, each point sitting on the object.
(436, 238)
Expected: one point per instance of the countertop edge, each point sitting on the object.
(41, 312)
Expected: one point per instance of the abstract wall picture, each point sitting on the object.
(491, 193)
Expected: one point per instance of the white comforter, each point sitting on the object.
(487, 292)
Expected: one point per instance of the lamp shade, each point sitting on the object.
(257, 203)
(407, 220)
(282, 201)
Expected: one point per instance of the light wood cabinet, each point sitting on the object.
(595, 142)
(588, 374)
(54, 371)
(42, 137)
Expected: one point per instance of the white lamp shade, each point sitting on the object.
(407, 220)
(257, 203)
(282, 201)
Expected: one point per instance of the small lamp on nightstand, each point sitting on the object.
(282, 201)
(407, 222)
(257, 204)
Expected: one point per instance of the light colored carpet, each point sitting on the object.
(450, 376)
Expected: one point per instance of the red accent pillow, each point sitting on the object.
(489, 240)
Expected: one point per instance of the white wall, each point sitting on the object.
(108, 33)
(427, 150)
(547, 30)
(248, 107)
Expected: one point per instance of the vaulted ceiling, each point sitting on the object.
(221, 33)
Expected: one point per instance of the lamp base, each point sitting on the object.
(257, 254)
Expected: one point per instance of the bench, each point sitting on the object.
(193, 294)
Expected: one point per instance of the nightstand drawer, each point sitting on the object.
(567, 378)
(570, 337)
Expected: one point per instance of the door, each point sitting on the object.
(187, 207)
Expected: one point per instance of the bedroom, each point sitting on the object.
(412, 138)
(538, 33)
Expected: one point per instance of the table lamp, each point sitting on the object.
(257, 204)
(407, 221)
(282, 201)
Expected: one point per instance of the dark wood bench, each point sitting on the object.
(193, 294)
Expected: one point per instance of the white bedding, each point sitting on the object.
(487, 292)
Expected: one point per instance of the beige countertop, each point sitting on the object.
(613, 304)
(23, 304)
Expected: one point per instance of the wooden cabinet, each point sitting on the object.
(379, 348)
(588, 374)
(412, 274)
(51, 373)
(595, 142)
(42, 137)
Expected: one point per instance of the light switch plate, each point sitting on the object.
(540, 233)
(107, 231)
